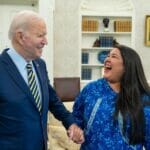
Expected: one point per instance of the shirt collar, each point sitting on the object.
(19, 61)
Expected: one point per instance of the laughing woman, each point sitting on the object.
(114, 111)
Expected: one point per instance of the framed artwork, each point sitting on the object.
(147, 30)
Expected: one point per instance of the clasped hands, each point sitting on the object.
(75, 134)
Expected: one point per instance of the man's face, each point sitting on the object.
(33, 40)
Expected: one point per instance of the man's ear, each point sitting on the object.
(20, 37)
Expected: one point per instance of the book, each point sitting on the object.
(85, 58)
(122, 26)
(86, 74)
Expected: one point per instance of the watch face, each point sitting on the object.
(102, 55)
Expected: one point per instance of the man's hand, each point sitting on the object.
(75, 134)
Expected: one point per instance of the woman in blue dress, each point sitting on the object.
(114, 111)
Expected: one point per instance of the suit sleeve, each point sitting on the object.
(56, 106)
(58, 109)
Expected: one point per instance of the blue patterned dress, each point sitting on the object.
(104, 133)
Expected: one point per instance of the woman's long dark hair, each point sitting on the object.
(129, 102)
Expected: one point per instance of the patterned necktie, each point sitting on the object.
(33, 86)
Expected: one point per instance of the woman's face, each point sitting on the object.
(113, 66)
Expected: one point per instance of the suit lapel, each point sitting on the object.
(13, 71)
(15, 75)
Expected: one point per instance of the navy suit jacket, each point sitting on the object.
(22, 127)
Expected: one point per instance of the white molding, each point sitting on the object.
(110, 7)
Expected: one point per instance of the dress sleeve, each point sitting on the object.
(78, 109)
(147, 132)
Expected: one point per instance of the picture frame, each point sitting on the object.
(147, 30)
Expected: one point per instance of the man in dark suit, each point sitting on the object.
(24, 100)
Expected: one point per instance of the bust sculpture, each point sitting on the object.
(106, 24)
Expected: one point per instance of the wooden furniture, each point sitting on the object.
(67, 88)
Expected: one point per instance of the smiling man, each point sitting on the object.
(25, 92)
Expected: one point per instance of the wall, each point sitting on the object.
(67, 41)
(66, 38)
(142, 8)
(6, 17)
(12, 8)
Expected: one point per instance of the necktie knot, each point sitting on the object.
(29, 66)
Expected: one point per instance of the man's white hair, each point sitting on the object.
(21, 22)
